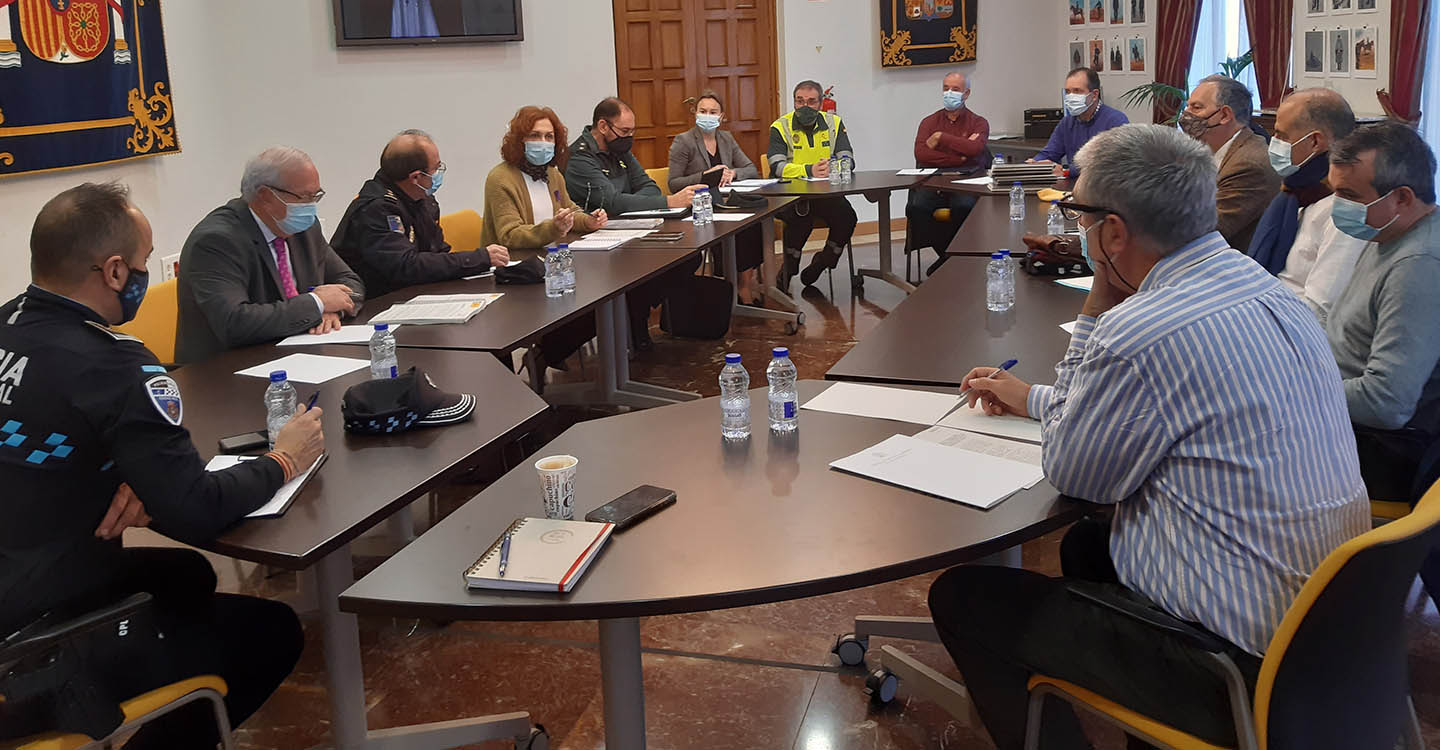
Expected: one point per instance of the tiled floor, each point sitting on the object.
(758, 677)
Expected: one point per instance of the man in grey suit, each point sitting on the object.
(258, 268)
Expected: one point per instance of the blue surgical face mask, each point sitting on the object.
(132, 294)
(539, 153)
(1349, 217)
(298, 217)
(953, 100)
(1085, 244)
(1076, 104)
(436, 180)
(708, 123)
(1281, 158)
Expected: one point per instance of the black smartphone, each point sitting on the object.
(633, 507)
(247, 442)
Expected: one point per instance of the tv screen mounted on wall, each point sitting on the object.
(424, 22)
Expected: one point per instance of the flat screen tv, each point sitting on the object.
(423, 22)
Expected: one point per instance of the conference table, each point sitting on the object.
(875, 186)
(970, 184)
(759, 521)
(365, 480)
(989, 228)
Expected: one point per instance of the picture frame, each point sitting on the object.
(1138, 14)
(1095, 54)
(1337, 53)
(1315, 7)
(1313, 54)
(1137, 62)
(1075, 10)
(1367, 6)
(1077, 55)
(1117, 12)
(1115, 55)
(928, 32)
(1365, 52)
(1341, 7)
(1096, 15)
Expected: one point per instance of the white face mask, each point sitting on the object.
(1280, 156)
(1076, 104)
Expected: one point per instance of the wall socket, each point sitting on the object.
(169, 267)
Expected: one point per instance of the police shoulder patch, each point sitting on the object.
(112, 333)
(395, 224)
(165, 395)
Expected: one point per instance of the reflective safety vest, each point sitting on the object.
(801, 152)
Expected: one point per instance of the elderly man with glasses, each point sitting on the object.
(258, 268)
(1200, 400)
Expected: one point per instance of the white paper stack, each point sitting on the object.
(754, 183)
(635, 223)
(881, 402)
(600, 241)
(283, 496)
(346, 335)
(307, 368)
(437, 309)
(941, 470)
(916, 171)
(1083, 283)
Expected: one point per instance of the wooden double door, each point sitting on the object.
(669, 50)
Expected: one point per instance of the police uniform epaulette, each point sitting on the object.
(390, 195)
(112, 333)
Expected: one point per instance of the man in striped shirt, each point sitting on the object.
(1199, 398)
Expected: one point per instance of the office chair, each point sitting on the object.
(44, 645)
(156, 320)
(661, 176)
(463, 230)
(940, 215)
(1336, 672)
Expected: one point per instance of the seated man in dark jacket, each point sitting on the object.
(391, 232)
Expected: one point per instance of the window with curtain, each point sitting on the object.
(1222, 34)
(1430, 94)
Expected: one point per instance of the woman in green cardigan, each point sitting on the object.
(527, 186)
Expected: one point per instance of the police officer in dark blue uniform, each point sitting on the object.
(91, 442)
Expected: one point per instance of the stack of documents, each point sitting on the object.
(916, 171)
(615, 224)
(543, 554)
(602, 241)
(283, 497)
(944, 471)
(436, 309)
(754, 183)
(1034, 175)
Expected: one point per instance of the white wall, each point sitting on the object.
(1360, 92)
(253, 74)
(1018, 67)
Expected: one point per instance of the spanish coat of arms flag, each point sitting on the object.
(82, 82)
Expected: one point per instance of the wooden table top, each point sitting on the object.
(873, 184)
(762, 521)
(988, 228)
(365, 478)
(942, 331)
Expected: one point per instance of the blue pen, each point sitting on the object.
(1004, 366)
(504, 553)
(313, 399)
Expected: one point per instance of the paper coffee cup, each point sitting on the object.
(557, 485)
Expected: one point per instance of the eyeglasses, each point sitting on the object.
(620, 133)
(1072, 210)
(316, 198)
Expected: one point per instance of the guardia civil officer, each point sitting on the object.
(91, 442)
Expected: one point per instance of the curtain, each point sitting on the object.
(1270, 40)
(1430, 97)
(1408, 43)
(1221, 34)
(1175, 24)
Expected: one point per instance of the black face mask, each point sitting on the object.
(618, 145)
(806, 117)
(132, 294)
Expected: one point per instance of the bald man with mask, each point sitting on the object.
(952, 139)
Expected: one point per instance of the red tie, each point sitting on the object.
(282, 264)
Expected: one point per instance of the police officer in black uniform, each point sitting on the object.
(391, 234)
(91, 442)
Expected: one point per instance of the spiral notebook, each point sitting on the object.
(546, 554)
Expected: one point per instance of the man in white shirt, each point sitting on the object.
(1296, 239)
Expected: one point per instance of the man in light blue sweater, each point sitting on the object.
(1385, 326)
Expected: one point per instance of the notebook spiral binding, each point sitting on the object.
(494, 547)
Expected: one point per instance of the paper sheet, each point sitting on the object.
(618, 234)
(346, 335)
(277, 504)
(654, 212)
(975, 420)
(485, 275)
(598, 243)
(741, 189)
(952, 473)
(907, 172)
(1068, 327)
(1082, 283)
(973, 181)
(900, 404)
(755, 182)
(1014, 450)
(722, 216)
(815, 179)
(307, 368)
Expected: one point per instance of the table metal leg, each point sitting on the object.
(401, 526)
(770, 267)
(793, 318)
(886, 270)
(623, 683)
(631, 392)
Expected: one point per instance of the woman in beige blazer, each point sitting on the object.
(706, 148)
(527, 185)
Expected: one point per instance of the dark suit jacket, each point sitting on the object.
(1246, 185)
(689, 160)
(229, 288)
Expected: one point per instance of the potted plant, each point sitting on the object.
(1171, 99)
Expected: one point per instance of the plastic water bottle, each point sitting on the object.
(554, 275)
(999, 160)
(1009, 287)
(1017, 201)
(784, 406)
(708, 205)
(279, 404)
(995, 272)
(382, 354)
(847, 169)
(697, 207)
(1055, 221)
(734, 399)
(835, 177)
(567, 268)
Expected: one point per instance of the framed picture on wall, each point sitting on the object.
(1363, 41)
(1337, 51)
(1341, 6)
(1116, 55)
(1136, 59)
(927, 32)
(1366, 6)
(1314, 51)
(1096, 48)
(1077, 12)
(1117, 12)
(1097, 11)
(1315, 7)
(1137, 12)
(1077, 55)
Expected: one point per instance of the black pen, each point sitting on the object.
(504, 553)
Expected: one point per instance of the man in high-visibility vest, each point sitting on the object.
(801, 145)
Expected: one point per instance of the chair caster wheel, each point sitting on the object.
(539, 739)
(881, 686)
(791, 329)
(851, 649)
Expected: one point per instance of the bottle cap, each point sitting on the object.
(732, 359)
(551, 249)
(382, 326)
(996, 256)
(278, 376)
(780, 352)
(1004, 253)
(1015, 184)
(1055, 203)
(562, 246)
(702, 190)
